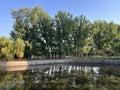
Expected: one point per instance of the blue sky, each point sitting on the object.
(108, 10)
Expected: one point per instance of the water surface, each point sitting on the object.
(63, 77)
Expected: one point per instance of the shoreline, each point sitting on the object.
(36, 64)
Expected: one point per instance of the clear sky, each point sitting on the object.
(108, 10)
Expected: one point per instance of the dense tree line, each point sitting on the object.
(64, 35)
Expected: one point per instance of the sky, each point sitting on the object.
(108, 10)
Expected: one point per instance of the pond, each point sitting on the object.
(63, 77)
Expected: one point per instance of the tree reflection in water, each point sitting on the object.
(63, 78)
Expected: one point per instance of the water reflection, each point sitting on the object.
(63, 78)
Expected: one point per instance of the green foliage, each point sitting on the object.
(82, 36)
(9, 49)
(27, 51)
(63, 35)
(64, 30)
(6, 48)
(34, 26)
(19, 48)
(21, 22)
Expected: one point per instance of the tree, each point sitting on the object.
(9, 48)
(82, 36)
(21, 24)
(64, 28)
(31, 25)
(28, 50)
(100, 28)
(6, 48)
(19, 48)
(62, 35)
(116, 41)
(105, 36)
